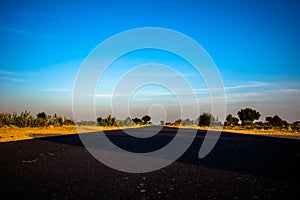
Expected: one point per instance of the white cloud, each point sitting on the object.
(13, 79)
(4, 72)
(110, 95)
(17, 73)
(15, 76)
(247, 92)
(23, 32)
(249, 85)
(56, 90)
(14, 30)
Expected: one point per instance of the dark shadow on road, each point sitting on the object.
(122, 139)
(276, 158)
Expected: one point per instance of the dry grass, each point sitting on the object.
(15, 133)
(273, 133)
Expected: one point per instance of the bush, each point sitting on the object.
(25, 119)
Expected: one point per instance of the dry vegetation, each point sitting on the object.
(270, 132)
(24, 126)
(16, 133)
(241, 130)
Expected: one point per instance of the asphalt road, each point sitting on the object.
(239, 167)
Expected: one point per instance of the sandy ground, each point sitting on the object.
(15, 133)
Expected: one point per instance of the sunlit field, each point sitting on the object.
(8, 134)
(241, 130)
(16, 133)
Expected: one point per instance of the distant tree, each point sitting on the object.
(187, 122)
(275, 121)
(60, 121)
(285, 123)
(69, 122)
(55, 120)
(108, 121)
(41, 119)
(100, 121)
(146, 119)
(206, 119)
(5, 119)
(231, 121)
(25, 119)
(41, 115)
(86, 123)
(31, 121)
(162, 122)
(183, 122)
(120, 122)
(177, 122)
(296, 126)
(127, 122)
(248, 115)
(137, 121)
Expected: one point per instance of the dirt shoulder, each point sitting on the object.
(15, 133)
(270, 133)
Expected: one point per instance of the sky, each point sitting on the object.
(254, 44)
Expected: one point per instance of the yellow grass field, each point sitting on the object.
(272, 133)
(15, 133)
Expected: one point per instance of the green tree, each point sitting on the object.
(187, 122)
(41, 119)
(296, 126)
(60, 121)
(41, 115)
(111, 121)
(128, 122)
(55, 120)
(248, 115)
(4, 119)
(146, 119)
(108, 121)
(206, 119)
(25, 119)
(275, 121)
(100, 121)
(137, 121)
(177, 122)
(231, 121)
(69, 122)
(86, 123)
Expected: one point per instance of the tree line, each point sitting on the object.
(25, 119)
(205, 119)
(247, 118)
(112, 121)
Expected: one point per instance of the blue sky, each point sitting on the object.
(255, 45)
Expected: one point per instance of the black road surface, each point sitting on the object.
(239, 167)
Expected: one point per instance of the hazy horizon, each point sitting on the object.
(254, 44)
